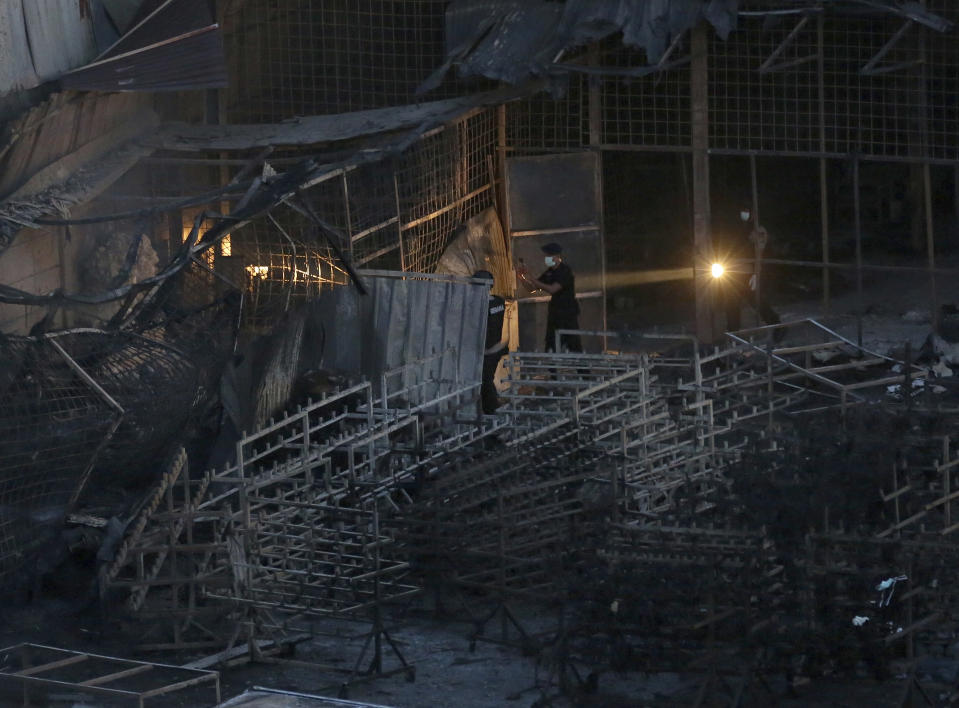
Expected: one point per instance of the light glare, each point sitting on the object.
(717, 270)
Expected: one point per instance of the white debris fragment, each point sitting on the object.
(893, 389)
(916, 316)
(918, 383)
(897, 369)
(823, 355)
(614, 606)
(889, 582)
(938, 389)
(941, 369)
(859, 620)
(948, 351)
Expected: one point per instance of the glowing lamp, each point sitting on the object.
(717, 270)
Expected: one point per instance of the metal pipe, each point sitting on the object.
(930, 246)
(858, 227)
(325, 699)
(823, 172)
(757, 249)
(702, 236)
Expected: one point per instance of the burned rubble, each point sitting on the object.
(454, 352)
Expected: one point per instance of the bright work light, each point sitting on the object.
(717, 270)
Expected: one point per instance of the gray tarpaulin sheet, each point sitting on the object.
(511, 40)
(406, 317)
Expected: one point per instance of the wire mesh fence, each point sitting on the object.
(874, 84)
(550, 121)
(53, 422)
(313, 57)
(442, 181)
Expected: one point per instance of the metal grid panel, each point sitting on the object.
(310, 57)
(45, 407)
(777, 110)
(397, 214)
(651, 111)
(548, 121)
(942, 62)
(441, 182)
(765, 87)
(877, 115)
(373, 219)
(766, 92)
(281, 260)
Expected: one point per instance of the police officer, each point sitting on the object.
(740, 284)
(563, 311)
(495, 345)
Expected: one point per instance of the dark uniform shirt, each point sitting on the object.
(562, 303)
(733, 246)
(494, 320)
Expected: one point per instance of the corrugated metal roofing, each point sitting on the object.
(41, 39)
(177, 46)
(186, 62)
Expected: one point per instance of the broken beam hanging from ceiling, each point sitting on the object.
(769, 66)
(635, 72)
(872, 67)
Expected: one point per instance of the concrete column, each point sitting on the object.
(702, 232)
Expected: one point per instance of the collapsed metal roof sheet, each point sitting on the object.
(511, 40)
(178, 46)
(40, 39)
(312, 130)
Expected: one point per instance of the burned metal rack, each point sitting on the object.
(292, 527)
(36, 666)
(547, 391)
(819, 361)
(920, 493)
(587, 435)
(49, 402)
(728, 572)
(169, 561)
(318, 560)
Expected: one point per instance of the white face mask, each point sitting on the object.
(550, 261)
(744, 215)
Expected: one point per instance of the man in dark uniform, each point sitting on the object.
(495, 345)
(741, 247)
(563, 310)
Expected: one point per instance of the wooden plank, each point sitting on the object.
(132, 671)
(209, 676)
(240, 650)
(942, 500)
(75, 659)
(902, 524)
(99, 690)
(914, 627)
(898, 493)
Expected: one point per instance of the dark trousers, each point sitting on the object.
(736, 295)
(488, 397)
(569, 341)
